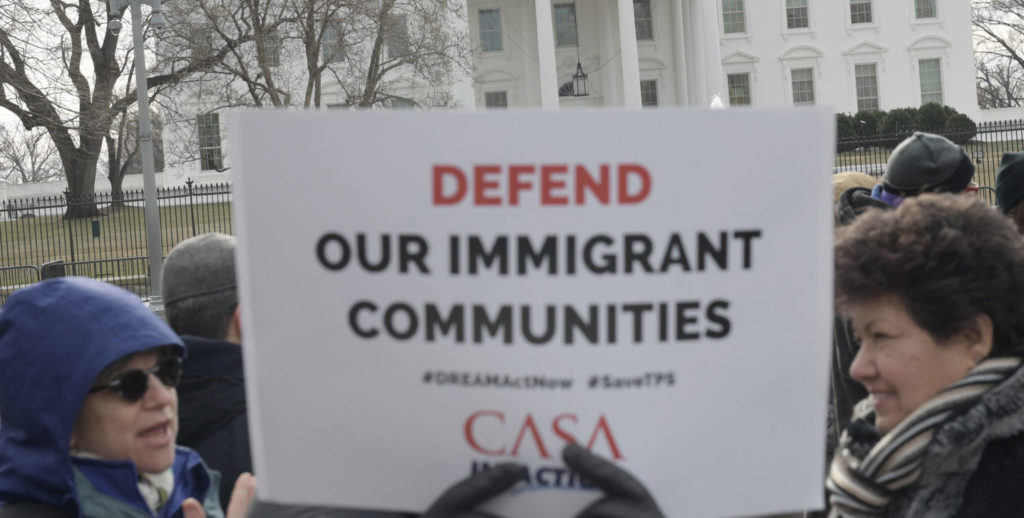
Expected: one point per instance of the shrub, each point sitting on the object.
(931, 118)
(960, 129)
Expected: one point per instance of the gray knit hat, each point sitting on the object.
(927, 163)
(201, 265)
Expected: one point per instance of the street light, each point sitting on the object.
(116, 10)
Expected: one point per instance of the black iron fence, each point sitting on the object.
(37, 241)
(985, 144)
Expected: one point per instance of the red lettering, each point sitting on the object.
(548, 183)
(515, 184)
(625, 171)
(559, 431)
(601, 190)
(530, 426)
(480, 184)
(471, 437)
(602, 425)
(440, 171)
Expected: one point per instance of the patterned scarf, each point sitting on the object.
(868, 469)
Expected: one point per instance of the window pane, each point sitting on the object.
(649, 92)
(739, 89)
(565, 24)
(931, 81)
(397, 36)
(331, 45)
(208, 125)
(496, 99)
(490, 30)
(796, 18)
(733, 17)
(644, 23)
(803, 86)
(860, 11)
(867, 87)
(924, 8)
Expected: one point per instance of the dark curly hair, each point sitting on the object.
(948, 258)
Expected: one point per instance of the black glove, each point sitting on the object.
(459, 500)
(625, 496)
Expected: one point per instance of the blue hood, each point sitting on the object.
(55, 339)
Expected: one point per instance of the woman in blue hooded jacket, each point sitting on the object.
(88, 410)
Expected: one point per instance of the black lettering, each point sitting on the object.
(675, 254)
(548, 252)
(321, 251)
(353, 319)
(642, 256)
(573, 321)
(502, 323)
(638, 319)
(549, 327)
(412, 249)
(608, 265)
(718, 317)
(385, 253)
(499, 253)
(705, 248)
(682, 320)
(389, 320)
(746, 236)
(434, 321)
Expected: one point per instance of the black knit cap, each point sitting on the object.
(927, 163)
(1010, 181)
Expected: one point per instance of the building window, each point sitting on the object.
(331, 47)
(867, 86)
(272, 47)
(860, 11)
(733, 17)
(209, 142)
(490, 30)
(931, 80)
(644, 22)
(397, 36)
(402, 104)
(496, 100)
(924, 9)
(649, 92)
(739, 89)
(803, 86)
(796, 14)
(565, 25)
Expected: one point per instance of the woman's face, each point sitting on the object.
(142, 432)
(900, 363)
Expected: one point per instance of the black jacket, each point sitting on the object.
(211, 409)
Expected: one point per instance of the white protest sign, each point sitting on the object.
(427, 294)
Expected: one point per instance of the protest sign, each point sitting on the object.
(427, 294)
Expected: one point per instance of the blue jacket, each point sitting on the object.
(55, 339)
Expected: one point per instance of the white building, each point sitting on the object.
(849, 54)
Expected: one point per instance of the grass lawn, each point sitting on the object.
(122, 234)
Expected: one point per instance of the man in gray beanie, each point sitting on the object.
(1010, 188)
(201, 305)
(924, 163)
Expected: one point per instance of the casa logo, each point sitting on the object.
(497, 435)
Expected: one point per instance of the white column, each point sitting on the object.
(695, 33)
(630, 56)
(712, 50)
(546, 56)
(679, 51)
(609, 74)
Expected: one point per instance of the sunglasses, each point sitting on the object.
(132, 385)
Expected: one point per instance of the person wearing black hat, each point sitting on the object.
(1010, 188)
(924, 163)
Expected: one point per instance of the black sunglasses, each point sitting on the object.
(132, 385)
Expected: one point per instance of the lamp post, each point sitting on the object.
(145, 138)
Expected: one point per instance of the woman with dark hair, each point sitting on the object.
(934, 290)
(89, 409)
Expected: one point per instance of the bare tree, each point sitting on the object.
(999, 38)
(59, 71)
(313, 53)
(27, 157)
